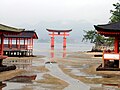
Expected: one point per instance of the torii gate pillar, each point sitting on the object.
(64, 42)
(63, 33)
(52, 41)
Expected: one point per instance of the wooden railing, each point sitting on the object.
(110, 56)
(21, 47)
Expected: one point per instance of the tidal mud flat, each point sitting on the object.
(78, 66)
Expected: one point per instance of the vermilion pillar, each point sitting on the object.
(64, 42)
(24, 42)
(52, 41)
(10, 42)
(32, 42)
(16, 42)
(116, 45)
(2, 45)
(19, 43)
(27, 43)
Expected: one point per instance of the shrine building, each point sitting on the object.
(111, 59)
(16, 42)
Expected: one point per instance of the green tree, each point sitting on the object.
(115, 13)
(96, 38)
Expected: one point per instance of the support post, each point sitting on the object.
(16, 43)
(116, 45)
(24, 42)
(64, 41)
(19, 43)
(103, 61)
(2, 45)
(10, 42)
(27, 43)
(32, 42)
(52, 40)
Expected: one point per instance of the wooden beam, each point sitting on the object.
(59, 34)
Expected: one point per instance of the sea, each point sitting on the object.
(45, 48)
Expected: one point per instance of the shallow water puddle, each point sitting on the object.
(77, 72)
(20, 63)
(104, 86)
(13, 86)
(20, 81)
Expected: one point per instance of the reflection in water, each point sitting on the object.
(64, 52)
(20, 63)
(2, 85)
(52, 53)
(111, 85)
(23, 78)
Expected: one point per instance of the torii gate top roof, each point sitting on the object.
(51, 30)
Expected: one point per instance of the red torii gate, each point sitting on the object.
(54, 33)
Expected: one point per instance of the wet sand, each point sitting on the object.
(77, 65)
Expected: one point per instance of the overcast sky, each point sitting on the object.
(32, 12)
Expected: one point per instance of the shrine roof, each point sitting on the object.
(10, 29)
(51, 30)
(112, 27)
(23, 34)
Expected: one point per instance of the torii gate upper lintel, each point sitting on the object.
(54, 33)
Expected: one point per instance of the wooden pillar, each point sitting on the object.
(19, 43)
(10, 42)
(116, 45)
(24, 42)
(52, 40)
(16, 43)
(103, 61)
(64, 41)
(32, 42)
(32, 46)
(27, 43)
(2, 45)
